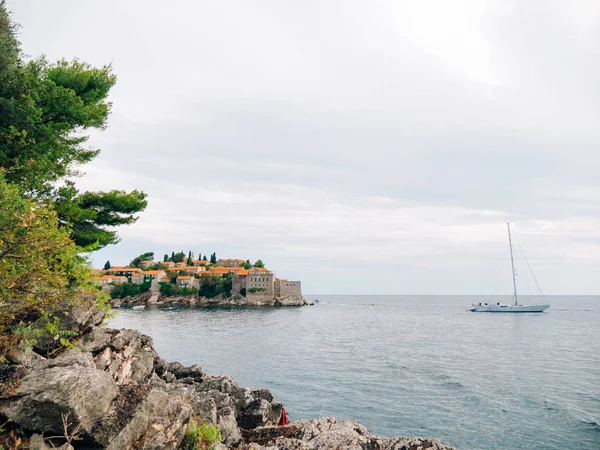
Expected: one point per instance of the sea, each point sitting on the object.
(407, 365)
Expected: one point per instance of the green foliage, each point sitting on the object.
(171, 289)
(201, 436)
(189, 262)
(137, 261)
(259, 263)
(46, 109)
(247, 265)
(40, 270)
(256, 290)
(52, 330)
(9, 46)
(89, 214)
(107, 265)
(213, 258)
(43, 109)
(213, 285)
(129, 290)
(165, 258)
(177, 257)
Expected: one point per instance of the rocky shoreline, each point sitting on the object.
(221, 300)
(114, 391)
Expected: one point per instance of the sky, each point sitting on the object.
(363, 147)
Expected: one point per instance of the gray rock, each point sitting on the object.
(36, 442)
(265, 394)
(290, 300)
(158, 422)
(204, 409)
(126, 354)
(230, 431)
(45, 395)
(68, 358)
(408, 443)
(259, 413)
(327, 433)
(180, 371)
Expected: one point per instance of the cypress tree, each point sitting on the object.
(107, 265)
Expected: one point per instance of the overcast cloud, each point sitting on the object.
(362, 147)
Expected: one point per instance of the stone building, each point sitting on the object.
(119, 279)
(137, 278)
(187, 281)
(288, 287)
(230, 262)
(103, 280)
(127, 272)
(260, 280)
(148, 276)
(167, 264)
(238, 283)
(146, 263)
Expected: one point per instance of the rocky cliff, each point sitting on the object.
(114, 392)
(191, 300)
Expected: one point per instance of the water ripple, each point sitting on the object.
(408, 365)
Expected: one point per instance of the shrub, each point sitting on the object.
(213, 285)
(170, 289)
(256, 290)
(201, 436)
(40, 270)
(129, 290)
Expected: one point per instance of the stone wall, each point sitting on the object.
(237, 284)
(291, 288)
(260, 299)
(261, 280)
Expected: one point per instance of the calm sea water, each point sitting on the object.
(408, 365)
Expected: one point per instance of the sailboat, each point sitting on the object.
(516, 308)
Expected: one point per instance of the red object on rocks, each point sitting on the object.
(284, 418)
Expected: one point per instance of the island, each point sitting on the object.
(178, 280)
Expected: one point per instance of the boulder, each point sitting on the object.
(259, 413)
(68, 385)
(181, 371)
(36, 442)
(230, 432)
(126, 354)
(290, 300)
(328, 433)
(158, 422)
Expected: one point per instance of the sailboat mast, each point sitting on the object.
(512, 263)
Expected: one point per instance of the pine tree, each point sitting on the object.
(213, 258)
(166, 258)
(107, 265)
(172, 255)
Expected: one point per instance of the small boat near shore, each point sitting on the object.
(516, 308)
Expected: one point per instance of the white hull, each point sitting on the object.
(509, 308)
